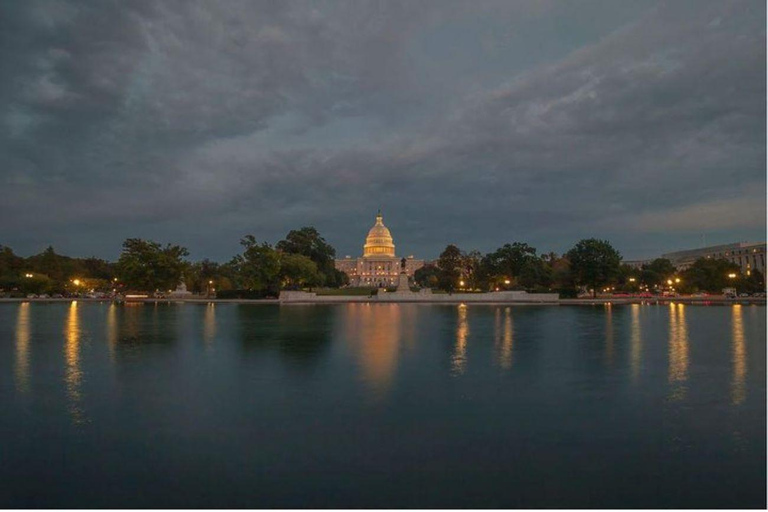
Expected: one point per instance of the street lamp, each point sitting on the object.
(677, 279)
(28, 275)
(507, 281)
(76, 282)
(631, 279)
(461, 283)
(669, 281)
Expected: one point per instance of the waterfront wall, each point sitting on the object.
(456, 298)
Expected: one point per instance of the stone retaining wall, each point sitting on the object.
(513, 296)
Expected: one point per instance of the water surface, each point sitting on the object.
(409, 405)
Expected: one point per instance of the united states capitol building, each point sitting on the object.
(379, 266)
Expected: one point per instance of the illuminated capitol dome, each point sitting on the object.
(379, 240)
(379, 266)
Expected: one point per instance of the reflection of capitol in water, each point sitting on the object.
(374, 333)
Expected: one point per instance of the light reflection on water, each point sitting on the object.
(209, 323)
(504, 340)
(112, 330)
(636, 342)
(335, 390)
(609, 332)
(459, 357)
(73, 374)
(678, 352)
(22, 348)
(739, 387)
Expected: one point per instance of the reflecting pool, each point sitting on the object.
(382, 405)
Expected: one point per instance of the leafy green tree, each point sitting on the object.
(297, 270)
(258, 268)
(450, 264)
(57, 267)
(657, 272)
(535, 275)
(754, 282)
(96, 268)
(471, 272)
(10, 264)
(37, 284)
(594, 263)
(308, 242)
(427, 276)
(202, 276)
(146, 265)
(711, 275)
(629, 279)
(508, 261)
(563, 280)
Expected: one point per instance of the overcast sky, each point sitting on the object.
(475, 123)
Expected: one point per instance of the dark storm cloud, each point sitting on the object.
(472, 123)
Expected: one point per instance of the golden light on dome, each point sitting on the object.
(379, 240)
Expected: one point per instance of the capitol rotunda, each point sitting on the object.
(379, 266)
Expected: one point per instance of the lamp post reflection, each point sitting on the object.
(739, 385)
(609, 333)
(73, 374)
(209, 324)
(504, 338)
(636, 341)
(112, 330)
(678, 351)
(459, 357)
(22, 348)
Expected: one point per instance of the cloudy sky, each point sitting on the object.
(475, 123)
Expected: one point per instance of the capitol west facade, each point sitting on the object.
(379, 266)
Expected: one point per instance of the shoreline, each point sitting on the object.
(340, 299)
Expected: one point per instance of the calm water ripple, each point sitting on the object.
(223, 405)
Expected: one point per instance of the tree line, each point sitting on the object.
(591, 266)
(304, 260)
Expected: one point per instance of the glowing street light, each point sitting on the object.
(76, 282)
(632, 279)
(461, 283)
(507, 281)
(28, 275)
(669, 281)
(732, 275)
(677, 279)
